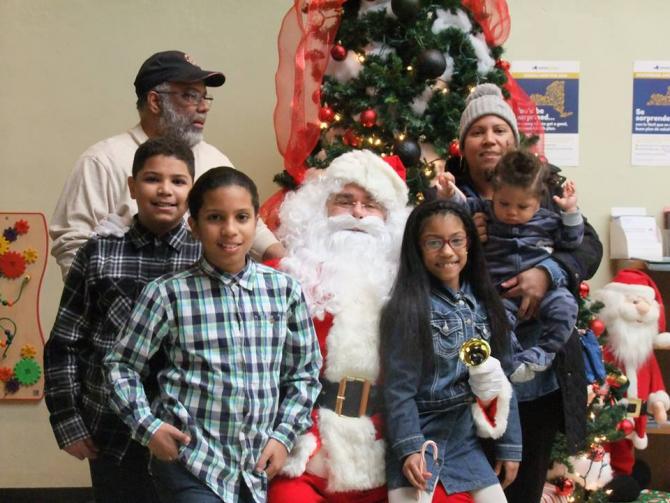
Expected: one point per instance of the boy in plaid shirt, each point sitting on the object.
(106, 276)
(242, 359)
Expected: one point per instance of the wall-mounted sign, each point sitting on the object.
(651, 113)
(554, 88)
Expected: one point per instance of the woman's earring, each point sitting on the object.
(462, 166)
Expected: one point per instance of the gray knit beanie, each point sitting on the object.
(486, 99)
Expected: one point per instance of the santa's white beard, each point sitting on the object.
(630, 341)
(340, 258)
(363, 238)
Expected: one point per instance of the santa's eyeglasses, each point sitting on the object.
(349, 203)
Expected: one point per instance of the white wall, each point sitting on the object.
(66, 74)
(67, 68)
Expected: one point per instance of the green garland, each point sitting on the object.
(390, 85)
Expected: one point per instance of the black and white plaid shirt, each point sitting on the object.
(242, 367)
(100, 290)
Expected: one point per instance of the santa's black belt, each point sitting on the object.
(352, 397)
(635, 407)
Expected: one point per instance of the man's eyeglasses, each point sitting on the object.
(349, 203)
(191, 97)
(436, 244)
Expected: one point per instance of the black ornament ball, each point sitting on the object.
(431, 63)
(406, 10)
(408, 151)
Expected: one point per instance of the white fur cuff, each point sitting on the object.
(662, 340)
(297, 460)
(659, 396)
(495, 427)
(355, 455)
(640, 443)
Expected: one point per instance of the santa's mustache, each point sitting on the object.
(372, 225)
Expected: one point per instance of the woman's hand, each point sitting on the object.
(481, 226)
(414, 470)
(509, 470)
(531, 285)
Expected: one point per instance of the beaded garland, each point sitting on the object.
(10, 303)
(9, 331)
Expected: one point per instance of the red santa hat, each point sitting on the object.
(636, 282)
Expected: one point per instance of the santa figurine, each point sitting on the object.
(631, 315)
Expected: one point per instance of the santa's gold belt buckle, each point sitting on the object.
(634, 407)
(342, 395)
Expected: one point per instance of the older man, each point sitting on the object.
(342, 230)
(171, 100)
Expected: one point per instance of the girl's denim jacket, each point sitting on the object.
(418, 393)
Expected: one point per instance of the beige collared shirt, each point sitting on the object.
(98, 187)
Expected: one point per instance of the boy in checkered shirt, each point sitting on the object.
(242, 358)
(106, 276)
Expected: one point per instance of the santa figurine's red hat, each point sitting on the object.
(637, 277)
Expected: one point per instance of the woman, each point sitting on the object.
(555, 400)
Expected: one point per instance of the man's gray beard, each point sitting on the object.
(173, 123)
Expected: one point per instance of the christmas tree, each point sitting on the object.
(391, 76)
(583, 478)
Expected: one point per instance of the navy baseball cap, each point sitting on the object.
(173, 66)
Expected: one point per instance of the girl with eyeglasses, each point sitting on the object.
(442, 297)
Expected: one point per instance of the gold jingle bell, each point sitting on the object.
(474, 352)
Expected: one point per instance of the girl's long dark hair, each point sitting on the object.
(408, 309)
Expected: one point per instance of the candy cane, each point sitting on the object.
(422, 462)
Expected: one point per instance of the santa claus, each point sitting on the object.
(342, 230)
(631, 317)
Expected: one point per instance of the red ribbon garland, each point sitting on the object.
(306, 36)
(493, 17)
(525, 111)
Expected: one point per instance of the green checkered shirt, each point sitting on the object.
(243, 366)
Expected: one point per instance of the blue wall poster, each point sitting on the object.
(554, 88)
(651, 113)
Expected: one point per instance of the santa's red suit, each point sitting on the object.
(343, 454)
(346, 267)
(645, 383)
